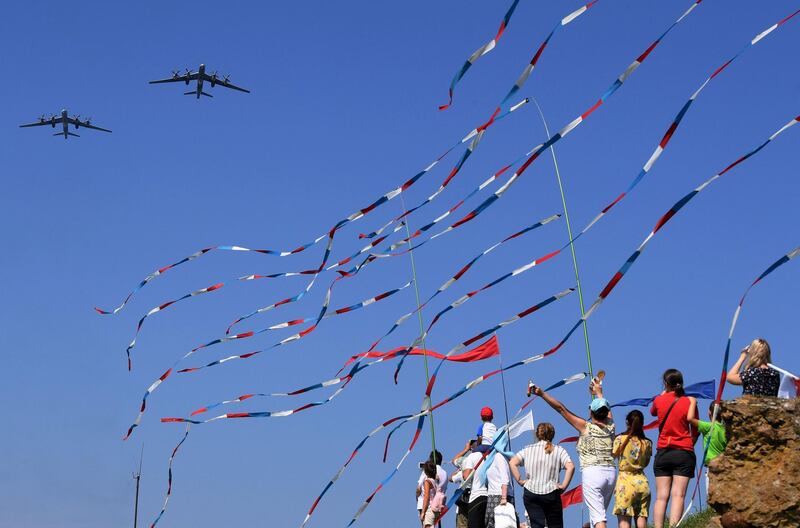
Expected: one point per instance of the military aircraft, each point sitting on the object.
(64, 120)
(200, 76)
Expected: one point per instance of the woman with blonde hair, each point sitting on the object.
(632, 492)
(757, 378)
(543, 463)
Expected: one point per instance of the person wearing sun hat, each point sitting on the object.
(595, 449)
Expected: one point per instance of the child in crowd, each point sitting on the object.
(632, 491)
(487, 429)
(428, 516)
(440, 479)
(714, 440)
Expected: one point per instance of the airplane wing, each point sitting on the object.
(223, 82)
(73, 121)
(38, 123)
(191, 76)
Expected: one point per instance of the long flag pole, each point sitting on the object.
(419, 318)
(571, 244)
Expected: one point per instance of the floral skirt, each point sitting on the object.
(632, 495)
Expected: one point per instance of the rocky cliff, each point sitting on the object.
(756, 482)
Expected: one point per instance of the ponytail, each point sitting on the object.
(673, 382)
(545, 431)
(635, 421)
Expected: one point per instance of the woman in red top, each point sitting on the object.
(675, 459)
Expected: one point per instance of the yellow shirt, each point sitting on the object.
(636, 455)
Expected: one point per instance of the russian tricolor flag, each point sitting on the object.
(790, 384)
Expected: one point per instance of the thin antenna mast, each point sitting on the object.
(137, 477)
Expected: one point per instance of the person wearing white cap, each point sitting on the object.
(595, 450)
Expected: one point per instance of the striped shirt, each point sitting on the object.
(542, 468)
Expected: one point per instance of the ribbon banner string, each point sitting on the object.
(359, 366)
(322, 315)
(405, 317)
(451, 353)
(486, 350)
(665, 139)
(356, 215)
(518, 84)
(617, 277)
(537, 151)
(169, 478)
(648, 165)
(463, 270)
(478, 53)
(724, 376)
(162, 307)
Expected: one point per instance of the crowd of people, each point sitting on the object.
(612, 465)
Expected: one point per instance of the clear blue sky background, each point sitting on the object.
(343, 109)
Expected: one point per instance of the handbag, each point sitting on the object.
(505, 516)
(463, 499)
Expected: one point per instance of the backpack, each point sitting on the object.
(437, 502)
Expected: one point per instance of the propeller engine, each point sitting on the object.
(188, 72)
(42, 119)
(53, 120)
(176, 73)
(214, 79)
(77, 119)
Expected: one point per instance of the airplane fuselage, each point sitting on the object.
(64, 123)
(201, 71)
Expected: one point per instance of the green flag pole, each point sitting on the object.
(571, 243)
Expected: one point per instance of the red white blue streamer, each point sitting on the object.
(484, 351)
(463, 270)
(629, 262)
(478, 53)
(724, 376)
(496, 116)
(289, 339)
(775, 265)
(295, 322)
(532, 65)
(169, 478)
(537, 151)
(162, 307)
(665, 139)
(659, 225)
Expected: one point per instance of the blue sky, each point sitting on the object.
(343, 109)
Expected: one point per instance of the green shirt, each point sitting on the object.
(717, 443)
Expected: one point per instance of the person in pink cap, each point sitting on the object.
(487, 429)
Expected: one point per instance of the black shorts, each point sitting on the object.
(674, 462)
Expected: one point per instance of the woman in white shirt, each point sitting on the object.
(543, 463)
